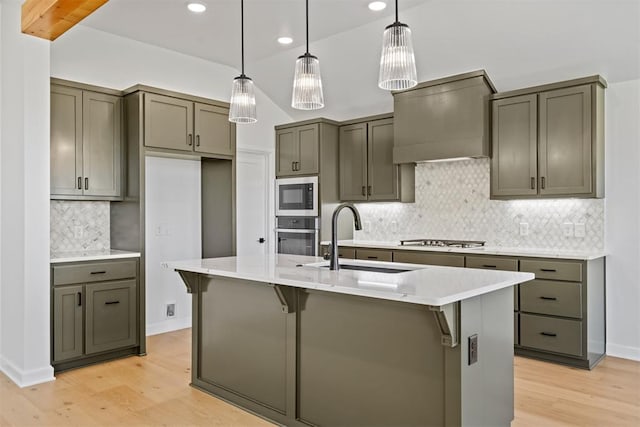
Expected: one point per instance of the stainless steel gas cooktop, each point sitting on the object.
(443, 243)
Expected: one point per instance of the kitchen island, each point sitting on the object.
(397, 344)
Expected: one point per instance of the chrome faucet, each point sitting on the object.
(333, 263)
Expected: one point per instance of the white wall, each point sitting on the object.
(173, 220)
(623, 218)
(24, 225)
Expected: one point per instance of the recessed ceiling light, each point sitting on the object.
(285, 40)
(377, 6)
(196, 7)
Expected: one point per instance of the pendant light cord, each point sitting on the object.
(307, 15)
(242, 32)
(397, 11)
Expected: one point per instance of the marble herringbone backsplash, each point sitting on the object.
(79, 226)
(452, 202)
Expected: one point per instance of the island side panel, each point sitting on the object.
(242, 337)
(487, 386)
(368, 362)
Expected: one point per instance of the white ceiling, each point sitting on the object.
(519, 42)
(215, 34)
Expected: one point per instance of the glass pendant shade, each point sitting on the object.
(397, 62)
(307, 84)
(243, 101)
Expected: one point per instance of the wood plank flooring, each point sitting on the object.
(154, 390)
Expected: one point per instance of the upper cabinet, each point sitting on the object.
(181, 124)
(297, 150)
(548, 141)
(443, 119)
(367, 171)
(86, 144)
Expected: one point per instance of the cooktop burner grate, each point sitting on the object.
(443, 243)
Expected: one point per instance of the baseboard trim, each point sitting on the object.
(24, 378)
(168, 326)
(623, 351)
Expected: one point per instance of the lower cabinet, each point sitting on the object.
(90, 321)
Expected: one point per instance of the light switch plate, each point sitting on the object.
(567, 229)
(394, 227)
(580, 229)
(78, 231)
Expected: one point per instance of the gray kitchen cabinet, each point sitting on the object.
(94, 311)
(429, 258)
(374, 254)
(67, 322)
(297, 150)
(86, 144)
(111, 316)
(514, 160)
(367, 171)
(548, 141)
(181, 124)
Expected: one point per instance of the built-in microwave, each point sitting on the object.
(297, 196)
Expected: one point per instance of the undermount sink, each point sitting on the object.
(362, 267)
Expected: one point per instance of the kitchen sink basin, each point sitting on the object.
(364, 267)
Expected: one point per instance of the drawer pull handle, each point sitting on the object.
(79, 183)
(79, 299)
(111, 302)
(98, 272)
(372, 257)
(549, 298)
(548, 334)
(549, 270)
(489, 266)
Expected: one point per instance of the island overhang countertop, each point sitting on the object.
(420, 284)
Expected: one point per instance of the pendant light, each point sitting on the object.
(243, 97)
(307, 83)
(397, 62)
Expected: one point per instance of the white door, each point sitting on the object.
(252, 204)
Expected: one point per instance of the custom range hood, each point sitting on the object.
(443, 119)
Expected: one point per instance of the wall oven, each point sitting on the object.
(297, 235)
(297, 196)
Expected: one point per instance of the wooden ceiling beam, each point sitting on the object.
(49, 19)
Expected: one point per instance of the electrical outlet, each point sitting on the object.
(524, 228)
(171, 309)
(473, 349)
(580, 229)
(366, 226)
(78, 231)
(567, 229)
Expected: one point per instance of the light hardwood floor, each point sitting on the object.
(154, 390)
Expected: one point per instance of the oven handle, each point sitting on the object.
(296, 230)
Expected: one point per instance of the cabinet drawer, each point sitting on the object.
(415, 257)
(553, 270)
(550, 334)
(374, 254)
(349, 253)
(548, 297)
(93, 272)
(492, 263)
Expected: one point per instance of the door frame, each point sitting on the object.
(269, 188)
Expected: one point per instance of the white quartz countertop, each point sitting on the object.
(58, 257)
(486, 250)
(423, 284)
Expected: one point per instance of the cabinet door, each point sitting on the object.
(286, 151)
(111, 316)
(168, 122)
(67, 322)
(353, 162)
(565, 141)
(66, 141)
(382, 173)
(308, 146)
(101, 144)
(213, 130)
(514, 147)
